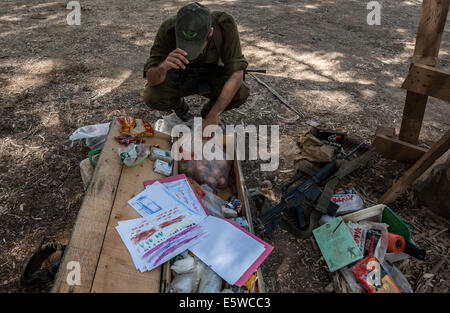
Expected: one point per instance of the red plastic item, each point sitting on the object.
(396, 243)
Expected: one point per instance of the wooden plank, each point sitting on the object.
(428, 81)
(413, 113)
(396, 149)
(417, 169)
(429, 35)
(90, 226)
(116, 271)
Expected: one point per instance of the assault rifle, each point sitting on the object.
(307, 191)
(203, 73)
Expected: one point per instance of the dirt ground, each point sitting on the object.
(319, 54)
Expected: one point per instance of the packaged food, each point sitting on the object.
(373, 276)
(162, 167)
(348, 201)
(135, 127)
(241, 221)
(142, 129)
(134, 154)
(235, 204)
(126, 123)
(160, 154)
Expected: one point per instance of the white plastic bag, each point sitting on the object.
(183, 266)
(398, 278)
(95, 135)
(348, 200)
(360, 233)
(213, 202)
(199, 269)
(183, 283)
(210, 282)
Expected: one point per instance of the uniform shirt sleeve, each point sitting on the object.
(162, 45)
(232, 56)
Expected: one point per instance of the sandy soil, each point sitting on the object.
(321, 55)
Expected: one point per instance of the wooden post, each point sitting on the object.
(429, 36)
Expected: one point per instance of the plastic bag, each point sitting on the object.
(241, 221)
(183, 266)
(214, 173)
(199, 269)
(366, 232)
(213, 202)
(95, 135)
(348, 201)
(134, 154)
(374, 277)
(397, 276)
(183, 283)
(210, 282)
(351, 280)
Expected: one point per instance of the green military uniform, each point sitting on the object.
(166, 95)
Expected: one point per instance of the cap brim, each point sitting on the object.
(193, 48)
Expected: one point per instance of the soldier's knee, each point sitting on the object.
(149, 96)
(156, 99)
(240, 97)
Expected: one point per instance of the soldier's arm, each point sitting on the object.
(229, 89)
(157, 74)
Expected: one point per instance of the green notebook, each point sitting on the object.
(337, 244)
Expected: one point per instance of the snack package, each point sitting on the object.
(373, 276)
(367, 233)
(134, 154)
(348, 201)
(126, 123)
(142, 129)
(162, 167)
(135, 127)
(160, 154)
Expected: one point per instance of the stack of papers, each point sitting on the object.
(156, 238)
(174, 219)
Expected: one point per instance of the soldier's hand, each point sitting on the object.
(176, 59)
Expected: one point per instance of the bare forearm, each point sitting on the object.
(230, 88)
(156, 75)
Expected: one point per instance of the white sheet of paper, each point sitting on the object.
(156, 238)
(184, 193)
(179, 189)
(227, 249)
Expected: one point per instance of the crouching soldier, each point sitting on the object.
(196, 52)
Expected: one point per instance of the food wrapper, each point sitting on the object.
(126, 123)
(162, 167)
(373, 277)
(142, 129)
(134, 154)
(135, 127)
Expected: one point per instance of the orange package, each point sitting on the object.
(135, 127)
(126, 124)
